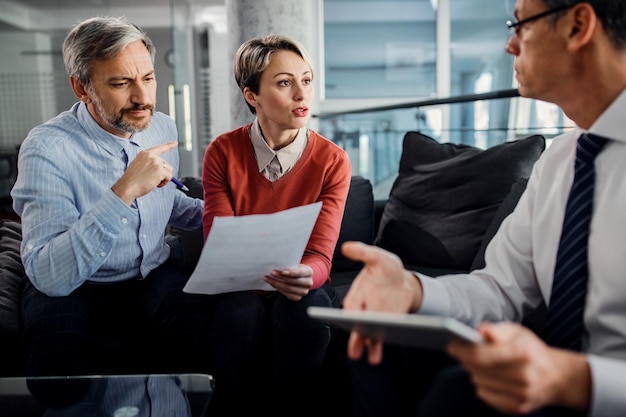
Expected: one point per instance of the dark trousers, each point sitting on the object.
(136, 326)
(267, 353)
(421, 383)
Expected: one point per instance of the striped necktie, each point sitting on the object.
(564, 325)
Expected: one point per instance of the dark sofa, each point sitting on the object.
(12, 278)
(445, 205)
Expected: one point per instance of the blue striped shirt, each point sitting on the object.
(139, 396)
(75, 229)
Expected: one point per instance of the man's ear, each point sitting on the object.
(584, 23)
(79, 90)
(250, 97)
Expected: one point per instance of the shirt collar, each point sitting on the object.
(287, 156)
(610, 123)
(111, 143)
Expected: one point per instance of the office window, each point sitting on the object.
(379, 49)
(383, 49)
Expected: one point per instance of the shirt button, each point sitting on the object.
(143, 236)
(103, 254)
(124, 220)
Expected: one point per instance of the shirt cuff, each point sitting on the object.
(435, 298)
(608, 378)
(113, 213)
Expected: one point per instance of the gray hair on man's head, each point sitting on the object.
(99, 38)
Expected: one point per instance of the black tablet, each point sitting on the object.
(429, 332)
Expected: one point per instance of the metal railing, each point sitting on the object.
(373, 136)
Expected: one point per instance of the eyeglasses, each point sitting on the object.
(515, 25)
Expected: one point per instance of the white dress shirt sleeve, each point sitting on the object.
(608, 379)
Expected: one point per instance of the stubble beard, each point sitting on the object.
(117, 120)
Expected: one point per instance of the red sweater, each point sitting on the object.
(233, 186)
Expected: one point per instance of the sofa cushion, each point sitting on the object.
(445, 197)
(12, 275)
(12, 279)
(357, 223)
(190, 242)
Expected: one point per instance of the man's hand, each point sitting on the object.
(382, 285)
(145, 173)
(293, 283)
(516, 372)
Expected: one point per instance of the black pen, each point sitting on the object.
(179, 184)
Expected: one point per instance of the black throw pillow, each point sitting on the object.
(446, 195)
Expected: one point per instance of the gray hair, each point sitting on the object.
(254, 55)
(611, 13)
(99, 38)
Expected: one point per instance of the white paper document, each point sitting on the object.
(240, 250)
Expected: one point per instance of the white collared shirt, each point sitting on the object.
(521, 258)
(287, 156)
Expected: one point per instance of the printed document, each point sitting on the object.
(240, 250)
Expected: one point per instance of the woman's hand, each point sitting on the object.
(293, 283)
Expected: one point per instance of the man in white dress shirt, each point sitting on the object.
(571, 53)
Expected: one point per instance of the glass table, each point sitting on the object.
(182, 395)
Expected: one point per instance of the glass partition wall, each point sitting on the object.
(34, 86)
(182, 91)
(421, 65)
